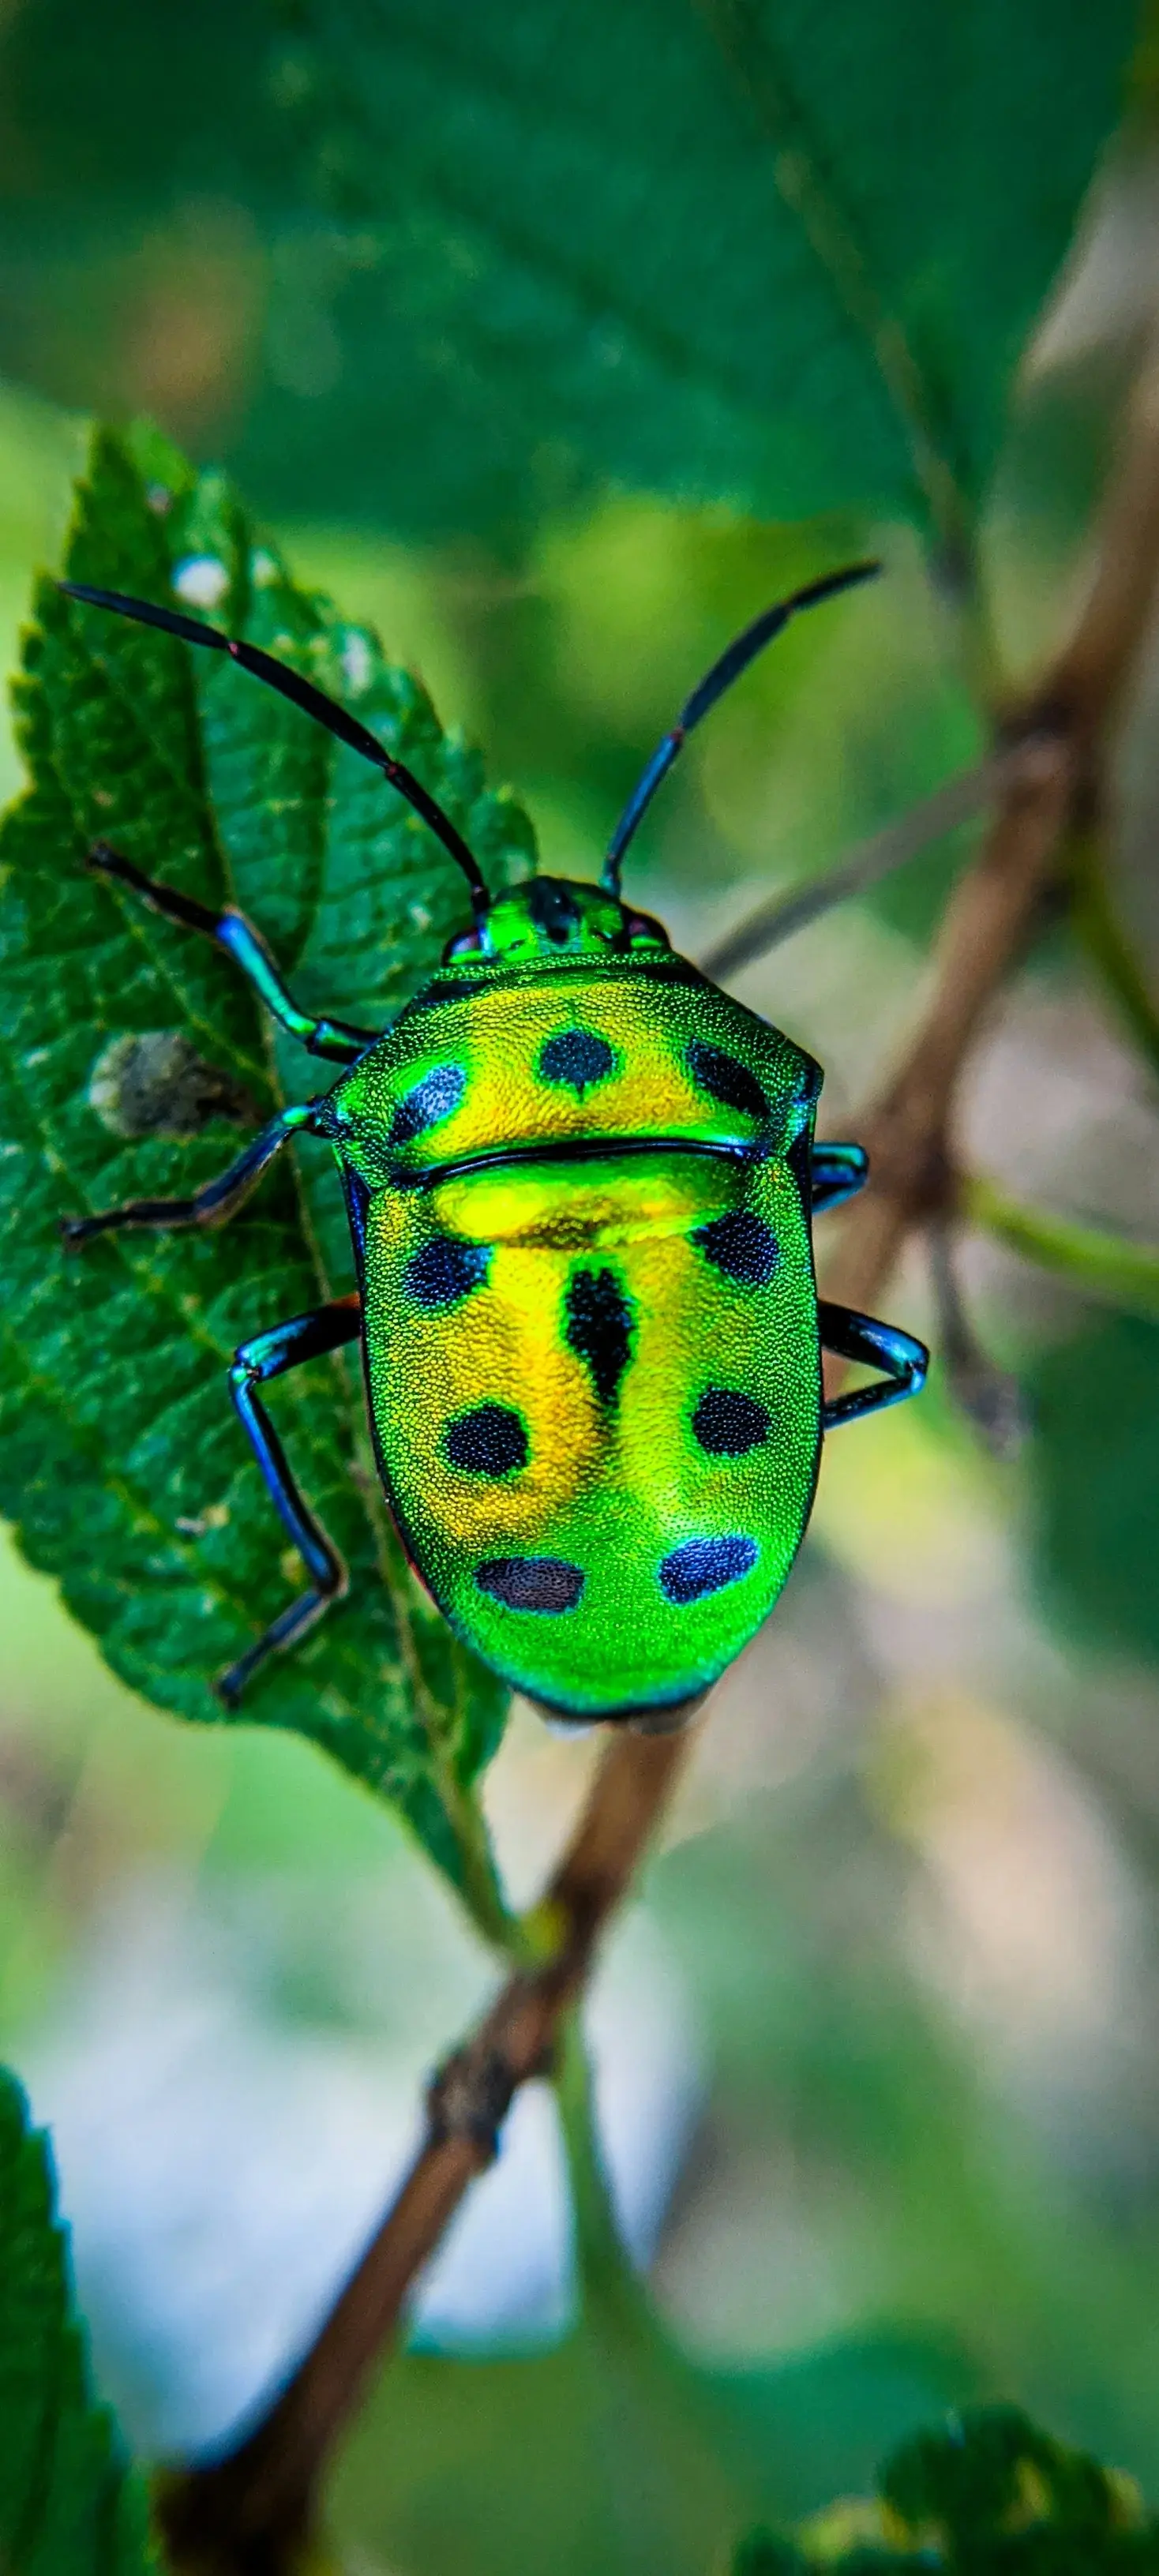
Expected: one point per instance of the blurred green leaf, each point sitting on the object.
(615, 2455)
(748, 251)
(122, 1466)
(751, 251)
(69, 2502)
(1095, 1406)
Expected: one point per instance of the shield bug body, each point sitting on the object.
(580, 1182)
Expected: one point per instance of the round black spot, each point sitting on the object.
(577, 1057)
(741, 1245)
(727, 1423)
(705, 1565)
(531, 1582)
(726, 1078)
(490, 1441)
(433, 1098)
(446, 1269)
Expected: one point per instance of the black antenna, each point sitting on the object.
(314, 702)
(732, 662)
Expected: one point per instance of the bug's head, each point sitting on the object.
(551, 917)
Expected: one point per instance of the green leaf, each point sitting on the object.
(593, 2457)
(120, 1460)
(70, 2504)
(751, 250)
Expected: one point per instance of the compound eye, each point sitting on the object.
(643, 932)
(467, 943)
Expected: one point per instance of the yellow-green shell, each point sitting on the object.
(479, 1308)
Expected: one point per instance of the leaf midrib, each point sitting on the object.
(831, 236)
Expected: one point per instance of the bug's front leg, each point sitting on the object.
(861, 1337)
(269, 1355)
(230, 930)
(210, 1205)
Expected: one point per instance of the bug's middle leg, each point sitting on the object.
(269, 1355)
(838, 1172)
(211, 1204)
(852, 1336)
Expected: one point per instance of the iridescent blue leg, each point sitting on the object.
(839, 1171)
(335, 1039)
(267, 1356)
(883, 1346)
(210, 1205)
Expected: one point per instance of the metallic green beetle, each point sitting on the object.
(580, 1183)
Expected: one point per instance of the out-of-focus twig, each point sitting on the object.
(989, 1396)
(880, 855)
(1085, 1256)
(1107, 944)
(986, 923)
(1063, 727)
(252, 2514)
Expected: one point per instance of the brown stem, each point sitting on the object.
(956, 802)
(252, 2513)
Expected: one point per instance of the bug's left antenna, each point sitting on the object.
(732, 662)
(314, 702)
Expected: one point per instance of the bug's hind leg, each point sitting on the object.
(269, 1355)
(838, 1172)
(335, 1039)
(884, 1346)
(210, 1205)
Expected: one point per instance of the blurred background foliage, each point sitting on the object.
(878, 2044)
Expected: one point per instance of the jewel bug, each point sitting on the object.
(580, 1182)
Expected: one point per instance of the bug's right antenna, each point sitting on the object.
(314, 702)
(732, 662)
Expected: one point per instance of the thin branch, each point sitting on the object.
(867, 863)
(1086, 1256)
(990, 1397)
(986, 925)
(1106, 943)
(1096, 665)
(252, 2512)
(993, 909)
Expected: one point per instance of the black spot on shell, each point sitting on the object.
(433, 1098)
(599, 1327)
(489, 1441)
(577, 1058)
(531, 1582)
(705, 1565)
(726, 1078)
(728, 1423)
(446, 1269)
(742, 1246)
